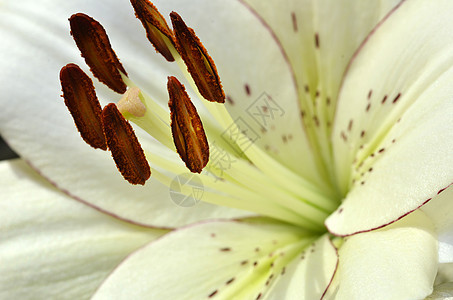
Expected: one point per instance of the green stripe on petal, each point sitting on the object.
(218, 260)
(319, 38)
(309, 274)
(398, 153)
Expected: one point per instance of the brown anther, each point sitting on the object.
(155, 25)
(80, 98)
(199, 64)
(126, 150)
(94, 44)
(186, 127)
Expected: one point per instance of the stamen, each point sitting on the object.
(126, 150)
(155, 25)
(80, 98)
(187, 130)
(199, 64)
(94, 44)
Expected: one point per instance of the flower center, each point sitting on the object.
(235, 172)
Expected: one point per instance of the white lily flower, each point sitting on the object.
(336, 130)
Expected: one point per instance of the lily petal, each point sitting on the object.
(398, 262)
(393, 133)
(35, 44)
(318, 39)
(310, 274)
(440, 210)
(209, 260)
(52, 246)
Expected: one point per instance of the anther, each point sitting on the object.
(199, 64)
(94, 44)
(126, 150)
(187, 130)
(80, 98)
(155, 25)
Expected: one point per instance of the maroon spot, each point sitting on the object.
(369, 94)
(344, 137)
(213, 235)
(230, 100)
(306, 88)
(302, 114)
(285, 139)
(212, 294)
(328, 101)
(247, 89)
(396, 98)
(229, 281)
(315, 118)
(317, 40)
(350, 125)
(283, 271)
(257, 249)
(226, 249)
(340, 210)
(255, 263)
(384, 99)
(368, 107)
(294, 19)
(381, 150)
(259, 296)
(244, 262)
(362, 134)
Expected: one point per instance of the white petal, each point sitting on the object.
(309, 275)
(210, 260)
(396, 154)
(398, 262)
(35, 44)
(440, 211)
(53, 247)
(319, 38)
